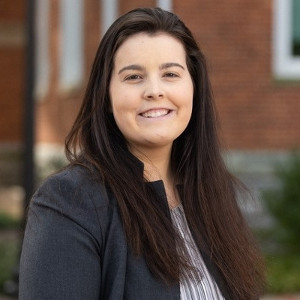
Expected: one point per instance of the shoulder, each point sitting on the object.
(72, 176)
(73, 195)
(76, 194)
(75, 185)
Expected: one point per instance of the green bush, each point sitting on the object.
(8, 222)
(9, 251)
(284, 205)
(283, 273)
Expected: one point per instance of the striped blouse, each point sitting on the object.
(205, 288)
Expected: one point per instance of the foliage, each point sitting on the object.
(283, 273)
(9, 251)
(8, 222)
(282, 241)
(284, 205)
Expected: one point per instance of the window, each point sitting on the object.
(296, 28)
(71, 51)
(286, 39)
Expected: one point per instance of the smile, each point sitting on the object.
(155, 113)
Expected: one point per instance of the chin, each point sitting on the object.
(161, 142)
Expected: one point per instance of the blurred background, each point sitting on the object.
(253, 50)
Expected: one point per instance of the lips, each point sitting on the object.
(155, 113)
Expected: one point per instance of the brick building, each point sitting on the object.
(12, 55)
(254, 58)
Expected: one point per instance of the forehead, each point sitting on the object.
(143, 46)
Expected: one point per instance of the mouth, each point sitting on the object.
(155, 113)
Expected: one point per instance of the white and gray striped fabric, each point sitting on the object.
(193, 289)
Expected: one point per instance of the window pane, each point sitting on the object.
(296, 27)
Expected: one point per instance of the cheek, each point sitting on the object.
(189, 112)
(187, 101)
(191, 98)
(121, 98)
(122, 112)
(116, 102)
(120, 121)
(115, 108)
(121, 107)
(188, 108)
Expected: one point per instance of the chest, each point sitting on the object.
(126, 276)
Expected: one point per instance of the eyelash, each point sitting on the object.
(170, 74)
(133, 77)
(137, 77)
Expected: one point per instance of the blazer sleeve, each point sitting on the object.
(61, 249)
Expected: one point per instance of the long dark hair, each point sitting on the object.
(207, 188)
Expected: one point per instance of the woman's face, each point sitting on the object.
(151, 90)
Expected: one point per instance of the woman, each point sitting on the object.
(146, 209)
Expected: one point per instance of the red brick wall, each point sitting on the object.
(56, 112)
(12, 10)
(12, 59)
(256, 112)
(125, 5)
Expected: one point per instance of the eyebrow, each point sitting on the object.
(132, 67)
(171, 64)
(141, 68)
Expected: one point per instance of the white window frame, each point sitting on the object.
(71, 66)
(285, 65)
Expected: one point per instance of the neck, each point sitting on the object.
(157, 166)
(156, 163)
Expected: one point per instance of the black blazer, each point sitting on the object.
(75, 247)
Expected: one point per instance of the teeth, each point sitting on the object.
(155, 113)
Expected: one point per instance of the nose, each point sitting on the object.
(153, 90)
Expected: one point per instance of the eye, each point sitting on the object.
(133, 77)
(170, 75)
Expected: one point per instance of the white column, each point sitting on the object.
(42, 63)
(165, 4)
(71, 52)
(109, 12)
